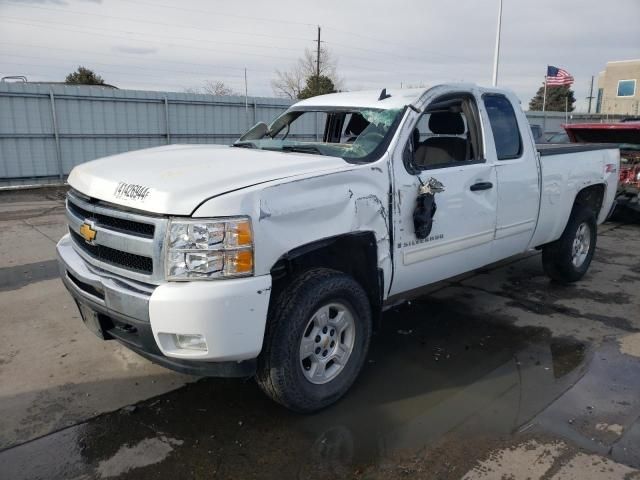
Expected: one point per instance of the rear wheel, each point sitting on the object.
(567, 259)
(316, 341)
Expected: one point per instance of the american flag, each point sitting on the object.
(558, 76)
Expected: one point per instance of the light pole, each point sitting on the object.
(496, 56)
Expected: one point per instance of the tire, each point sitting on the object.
(296, 320)
(567, 259)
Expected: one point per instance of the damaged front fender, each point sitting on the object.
(287, 215)
(303, 211)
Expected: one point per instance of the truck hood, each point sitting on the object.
(175, 179)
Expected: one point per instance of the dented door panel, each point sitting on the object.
(462, 232)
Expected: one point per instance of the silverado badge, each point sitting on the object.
(88, 232)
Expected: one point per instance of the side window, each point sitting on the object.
(504, 125)
(446, 134)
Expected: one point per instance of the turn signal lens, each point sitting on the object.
(238, 262)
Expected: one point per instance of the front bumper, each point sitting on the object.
(230, 315)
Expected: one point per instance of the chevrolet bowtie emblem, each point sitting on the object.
(88, 232)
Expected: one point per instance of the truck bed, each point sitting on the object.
(566, 169)
(561, 148)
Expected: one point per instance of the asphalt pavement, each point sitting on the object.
(496, 374)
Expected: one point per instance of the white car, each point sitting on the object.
(272, 257)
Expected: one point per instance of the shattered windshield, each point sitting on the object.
(352, 134)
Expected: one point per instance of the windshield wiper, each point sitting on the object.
(244, 145)
(301, 149)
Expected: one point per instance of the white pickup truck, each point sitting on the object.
(274, 256)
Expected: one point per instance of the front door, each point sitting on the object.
(444, 143)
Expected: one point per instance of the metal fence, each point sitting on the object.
(46, 130)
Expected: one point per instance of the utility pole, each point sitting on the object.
(496, 56)
(318, 64)
(246, 99)
(590, 97)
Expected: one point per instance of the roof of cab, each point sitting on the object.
(365, 99)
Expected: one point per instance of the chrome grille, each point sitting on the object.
(128, 244)
(118, 258)
(118, 224)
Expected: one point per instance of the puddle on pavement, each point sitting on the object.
(432, 372)
(18, 276)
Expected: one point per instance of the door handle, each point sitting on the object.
(481, 186)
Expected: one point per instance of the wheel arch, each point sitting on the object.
(556, 219)
(591, 196)
(354, 253)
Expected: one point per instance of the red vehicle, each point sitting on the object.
(626, 135)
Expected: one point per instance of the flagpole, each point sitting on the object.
(496, 54)
(544, 105)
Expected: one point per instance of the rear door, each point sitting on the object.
(517, 169)
(465, 219)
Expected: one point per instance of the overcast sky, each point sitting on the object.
(165, 45)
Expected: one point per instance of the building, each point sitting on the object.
(619, 88)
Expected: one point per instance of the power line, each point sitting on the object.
(104, 72)
(367, 37)
(156, 42)
(120, 56)
(129, 19)
(209, 30)
(145, 68)
(164, 84)
(252, 34)
(93, 33)
(125, 78)
(394, 55)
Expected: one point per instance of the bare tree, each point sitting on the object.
(213, 87)
(290, 83)
(218, 87)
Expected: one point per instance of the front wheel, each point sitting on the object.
(316, 342)
(567, 259)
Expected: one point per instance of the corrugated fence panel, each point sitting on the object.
(27, 157)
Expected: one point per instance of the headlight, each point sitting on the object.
(209, 249)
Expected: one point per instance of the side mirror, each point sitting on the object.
(258, 131)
